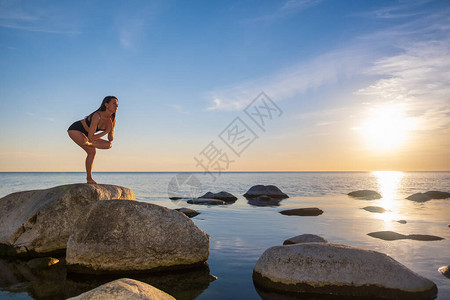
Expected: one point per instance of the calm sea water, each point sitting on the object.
(240, 232)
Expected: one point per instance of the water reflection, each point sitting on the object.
(55, 283)
(388, 184)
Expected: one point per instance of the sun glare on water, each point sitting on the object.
(387, 128)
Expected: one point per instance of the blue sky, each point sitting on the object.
(349, 76)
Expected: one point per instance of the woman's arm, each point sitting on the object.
(91, 133)
(111, 131)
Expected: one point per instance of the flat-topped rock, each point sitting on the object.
(225, 196)
(365, 194)
(392, 236)
(124, 288)
(419, 197)
(333, 269)
(305, 238)
(206, 201)
(131, 237)
(188, 212)
(38, 222)
(308, 211)
(375, 209)
(438, 195)
(267, 190)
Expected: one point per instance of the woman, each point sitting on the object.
(84, 132)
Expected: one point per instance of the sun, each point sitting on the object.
(386, 127)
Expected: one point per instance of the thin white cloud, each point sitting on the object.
(31, 16)
(286, 9)
(179, 108)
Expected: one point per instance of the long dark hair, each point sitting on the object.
(102, 107)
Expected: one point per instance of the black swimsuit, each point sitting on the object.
(79, 127)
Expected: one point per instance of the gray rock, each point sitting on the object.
(365, 194)
(188, 212)
(438, 195)
(419, 197)
(264, 201)
(321, 268)
(225, 196)
(375, 209)
(305, 238)
(267, 190)
(206, 201)
(445, 270)
(392, 236)
(38, 223)
(128, 236)
(124, 288)
(309, 211)
(401, 221)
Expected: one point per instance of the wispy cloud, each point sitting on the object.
(179, 108)
(30, 16)
(324, 69)
(285, 9)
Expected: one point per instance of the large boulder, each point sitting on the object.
(126, 236)
(321, 268)
(365, 194)
(267, 190)
(38, 223)
(225, 196)
(124, 288)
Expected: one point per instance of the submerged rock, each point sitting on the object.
(188, 212)
(126, 236)
(309, 211)
(401, 221)
(365, 194)
(38, 222)
(124, 288)
(333, 269)
(264, 201)
(392, 236)
(375, 209)
(305, 238)
(206, 201)
(419, 197)
(267, 190)
(445, 270)
(225, 196)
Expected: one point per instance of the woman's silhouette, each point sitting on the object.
(83, 132)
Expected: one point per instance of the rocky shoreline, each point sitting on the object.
(102, 229)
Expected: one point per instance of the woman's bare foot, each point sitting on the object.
(91, 181)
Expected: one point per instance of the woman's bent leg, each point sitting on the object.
(81, 140)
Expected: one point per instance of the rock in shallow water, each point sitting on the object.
(305, 238)
(321, 268)
(188, 212)
(124, 288)
(309, 211)
(225, 196)
(392, 236)
(438, 195)
(206, 201)
(375, 209)
(445, 270)
(267, 190)
(38, 223)
(365, 194)
(264, 201)
(127, 236)
(419, 197)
